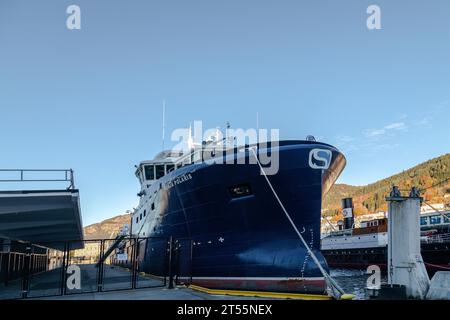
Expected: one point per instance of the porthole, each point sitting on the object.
(241, 190)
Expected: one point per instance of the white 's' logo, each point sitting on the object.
(319, 158)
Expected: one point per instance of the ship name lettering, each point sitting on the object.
(178, 180)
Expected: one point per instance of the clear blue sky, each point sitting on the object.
(90, 99)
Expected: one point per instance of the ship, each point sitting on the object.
(359, 247)
(216, 195)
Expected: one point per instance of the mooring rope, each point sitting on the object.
(436, 266)
(329, 280)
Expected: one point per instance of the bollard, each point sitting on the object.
(170, 263)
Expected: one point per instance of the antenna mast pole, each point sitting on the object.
(163, 122)
(257, 121)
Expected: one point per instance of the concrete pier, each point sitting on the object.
(405, 264)
(440, 286)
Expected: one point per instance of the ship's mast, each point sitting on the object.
(163, 122)
(257, 121)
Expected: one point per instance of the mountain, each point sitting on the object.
(107, 229)
(431, 177)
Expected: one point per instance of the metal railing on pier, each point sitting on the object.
(89, 266)
(38, 175)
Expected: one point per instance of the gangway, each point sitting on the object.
(117, 241)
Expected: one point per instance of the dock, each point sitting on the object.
(117, 285)
(178, 293)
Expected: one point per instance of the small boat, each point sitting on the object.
(367, 244)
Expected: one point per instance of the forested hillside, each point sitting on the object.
(433, 177)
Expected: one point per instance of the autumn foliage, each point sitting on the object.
(431, 177)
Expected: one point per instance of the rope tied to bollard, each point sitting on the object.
(333, 288)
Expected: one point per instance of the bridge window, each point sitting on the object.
(149, 172)
(159, 171)
(423, 221)
(447, 218)
(435, 219)
(170, 167)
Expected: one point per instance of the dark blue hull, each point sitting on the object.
(243, 242)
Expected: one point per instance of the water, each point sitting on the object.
(353, 281)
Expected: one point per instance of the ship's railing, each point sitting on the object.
(38, 175)
(204, 153)
(216, 150)
(437, 238)
(345, 232)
